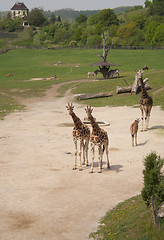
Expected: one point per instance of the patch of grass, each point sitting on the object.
(7, 105)
(129, 220)
(32, 63)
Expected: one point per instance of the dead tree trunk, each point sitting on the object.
(105, 51)
(93, 95)
(123, 89)
(135, 85)
(127, 89)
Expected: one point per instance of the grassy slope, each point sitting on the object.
(129, 220)
(31, 63)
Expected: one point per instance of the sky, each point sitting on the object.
(53, 5)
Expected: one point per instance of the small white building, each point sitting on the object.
(20, 10)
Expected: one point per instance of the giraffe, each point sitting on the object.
(80, 132)
(134, 130)
(98, 137)
(146, 102)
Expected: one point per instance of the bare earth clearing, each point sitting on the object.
(41, 197)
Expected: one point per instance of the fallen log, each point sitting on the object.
(129, 89)
(123, 89)
(93, 95)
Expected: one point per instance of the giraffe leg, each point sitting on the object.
(136, 139)
(107, 155)
(84, 146)
(86, 150)
(132, 140)
(93, 156)
(146, 117)
(149, 110)
(142, 118)
(148, 122)
(75, 165)
(100, 158)
(81, 146)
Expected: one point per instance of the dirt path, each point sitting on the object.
(40, 196)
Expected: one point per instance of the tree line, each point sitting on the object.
(138, 26)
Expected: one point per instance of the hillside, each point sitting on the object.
(70, 15)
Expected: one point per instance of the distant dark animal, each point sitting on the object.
(145, 67)
(111, 73)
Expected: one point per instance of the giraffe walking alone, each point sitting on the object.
(146, 103)
(80, 132)
(98, 137)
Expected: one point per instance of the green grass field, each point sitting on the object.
(130, 220)
(33, 63)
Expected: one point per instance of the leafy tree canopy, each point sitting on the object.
(36, 17)
(107, 17)
(82, 18)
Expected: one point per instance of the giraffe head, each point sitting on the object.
(140, 72)
(70, 108)
(89, 111)
(137, 120)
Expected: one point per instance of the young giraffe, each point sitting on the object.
(98, 137)
(80, 132)
(134, 130)
(146, 102)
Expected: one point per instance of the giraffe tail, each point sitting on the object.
(103, 148)
(84, 145)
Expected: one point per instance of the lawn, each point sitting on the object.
(35, 63)
(130, 220)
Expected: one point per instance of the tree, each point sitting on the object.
(93, 20)
(151, 28)
(52, 18)
(107, 17)
(158, 38)
(14, 25)
(157, 8)
(147, 3)
(36, 17)
(82, 18)
(153, 190)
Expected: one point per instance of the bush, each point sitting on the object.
(153, 191)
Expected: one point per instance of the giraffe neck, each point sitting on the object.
(143, 90)
(76, 120)
(95, 126)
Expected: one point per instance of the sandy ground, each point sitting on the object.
(41, 197)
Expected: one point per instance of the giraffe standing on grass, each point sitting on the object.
(98, 137)
(80, 132)
(146, 103)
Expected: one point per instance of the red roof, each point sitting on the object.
(19, 6)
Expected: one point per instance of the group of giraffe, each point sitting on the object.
(81, 132)
(146, 103)
(99, 136)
